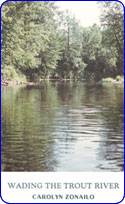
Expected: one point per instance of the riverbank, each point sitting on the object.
(15, 82)
(117, 80)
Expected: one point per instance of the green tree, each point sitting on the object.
(91, 48)
(112, 19)
(29, 38)
(39, 41)
(71, 64)
(100, 58)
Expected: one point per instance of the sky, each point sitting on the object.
(87, 12)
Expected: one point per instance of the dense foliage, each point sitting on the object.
(38, 41)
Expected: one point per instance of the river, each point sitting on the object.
(63, 126)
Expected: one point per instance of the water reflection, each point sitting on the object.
(63, 127)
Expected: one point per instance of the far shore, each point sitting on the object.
(15, 82)
(117, 80)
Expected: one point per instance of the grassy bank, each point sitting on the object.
(23, 80)
(118, 79)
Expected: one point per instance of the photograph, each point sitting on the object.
(62, 86)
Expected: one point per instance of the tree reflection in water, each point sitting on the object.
(63, 126)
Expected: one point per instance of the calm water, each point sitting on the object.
(61, 126)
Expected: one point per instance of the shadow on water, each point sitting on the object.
(63, 126)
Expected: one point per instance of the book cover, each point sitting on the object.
(62, 102)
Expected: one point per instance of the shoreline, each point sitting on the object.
(17, 83)
(118, 80)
